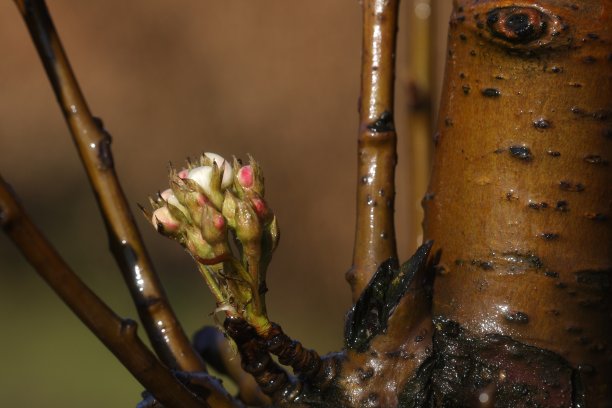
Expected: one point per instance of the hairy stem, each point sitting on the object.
(93, 144)
(375, 232)
(118, 335)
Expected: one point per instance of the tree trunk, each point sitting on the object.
(519, 205)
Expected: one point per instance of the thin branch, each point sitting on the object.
(420, 111)
(375, 232)
(93, 144)
(118, 335)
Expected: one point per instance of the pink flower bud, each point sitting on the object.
(260, 206)
(219, 221)
(201, 200)
(245, 176)
(162, 216)
(184, 173)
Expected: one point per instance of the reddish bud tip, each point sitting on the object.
(260, 206)
(219, 221)
(245, 176)
(162, 216)
(201, 200)
(183, 173)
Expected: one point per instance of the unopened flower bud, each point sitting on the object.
(213, 226)
(260, 207)
(249, 178)
(226, 168)
(248, 227)
(230, 202)
(169, 197)
(208, 179)
(197, 245)
(245, 176)
(164, 222)
(202, 175)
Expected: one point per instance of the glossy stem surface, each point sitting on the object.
(519, 201)
(375, 232)
(93, 144)
(118, 335)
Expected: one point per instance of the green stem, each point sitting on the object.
(208, 273)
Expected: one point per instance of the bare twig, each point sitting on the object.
(375, 232)
(118, 335)
(420, 112)
(93, 144)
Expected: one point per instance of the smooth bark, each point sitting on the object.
(93, 145)
(519, 201)
(375, 232)
(118, 335)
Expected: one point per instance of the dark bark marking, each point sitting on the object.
(566, 185)
(384, 123)
(542, 123)
(370, 314)
(521, 153)
(491, 92)
(507, 372)
(538, 206)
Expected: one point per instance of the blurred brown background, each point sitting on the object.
(275, 78)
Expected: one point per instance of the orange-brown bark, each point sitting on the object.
(377, 376)
(519, 201)
(93, 144)
(118, 335)
(375, 232)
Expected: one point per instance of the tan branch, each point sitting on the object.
(118, 335)
(418, 146)
(375, 232)
(93, 144)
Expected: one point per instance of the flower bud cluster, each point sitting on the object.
(209, 203)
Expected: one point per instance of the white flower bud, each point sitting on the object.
(162, 216)
(170, 198)
(228, 172)
(202, 176)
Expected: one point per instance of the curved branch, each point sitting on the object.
(93, 144)
(118, 335)
(375, 232)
